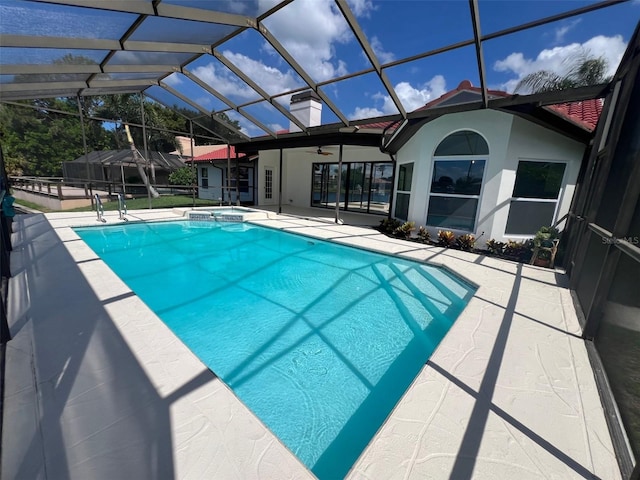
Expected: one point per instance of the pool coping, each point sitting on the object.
(495, 400)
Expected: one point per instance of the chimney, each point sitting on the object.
(184, 146)
(307, 108)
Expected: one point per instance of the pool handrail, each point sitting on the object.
(99, 209)
(122, 208)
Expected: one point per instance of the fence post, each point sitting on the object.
(60, 191)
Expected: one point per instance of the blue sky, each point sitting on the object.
(315, 34)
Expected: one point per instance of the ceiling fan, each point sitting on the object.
(319, 151)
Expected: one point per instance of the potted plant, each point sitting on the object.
(545, 246)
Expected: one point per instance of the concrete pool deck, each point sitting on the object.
(98, 387)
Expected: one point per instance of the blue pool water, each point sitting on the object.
(319, 340)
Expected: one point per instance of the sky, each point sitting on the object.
(317, 37)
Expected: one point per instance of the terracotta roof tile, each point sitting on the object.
(585, 113)
(218, 154)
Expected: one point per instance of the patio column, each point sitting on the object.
(337, 220)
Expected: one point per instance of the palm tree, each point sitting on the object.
(584, 70)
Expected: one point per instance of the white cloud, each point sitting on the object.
(223, 81)
(269, 78)
(365, 112)
(173, 79)
(560, 32)
(411, 98)
(361, 8)
(383, 56)
(555, 59)
(310, 30)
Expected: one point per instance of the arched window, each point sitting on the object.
(464, 142)
(458, 170)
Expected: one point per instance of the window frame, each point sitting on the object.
(403, 192)
(204, 177)
(561, 191)
(477, 197)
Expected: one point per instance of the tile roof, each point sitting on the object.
(220, 153)
(585, 113)
(464, 86)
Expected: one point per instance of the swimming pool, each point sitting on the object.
(319, 340)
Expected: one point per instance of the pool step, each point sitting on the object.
(206, 216)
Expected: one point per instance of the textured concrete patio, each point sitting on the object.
(98, 387)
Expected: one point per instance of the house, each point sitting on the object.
(303, 170)
(495, 173)
(120, 166)
(226, 176)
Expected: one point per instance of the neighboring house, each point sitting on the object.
(220, 164)
(120, 166)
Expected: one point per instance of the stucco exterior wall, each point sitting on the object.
(217, 179)
(297, 165)
(510, 139)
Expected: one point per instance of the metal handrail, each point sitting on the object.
(122, 207)
(99, 209)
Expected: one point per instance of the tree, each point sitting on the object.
(37, 140)
(183, 176)
(583, 70)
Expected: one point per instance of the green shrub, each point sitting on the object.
(404, 230)
(423, 235)
(388, 225)
(495, 247)
(465, 242)
(445, 238)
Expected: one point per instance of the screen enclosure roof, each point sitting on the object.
(369, 62)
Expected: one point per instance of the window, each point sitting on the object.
(268, 183)
(456, 182)
(364, 186)
(535, 196)
(204, 177)
(242, 174)
(464, 142)
(403, 195)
